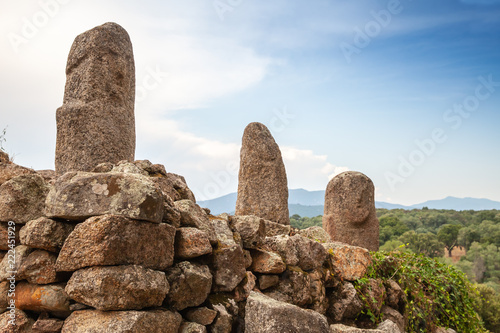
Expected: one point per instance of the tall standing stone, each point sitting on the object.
(262, 183)
(96, 122)
(350, 215)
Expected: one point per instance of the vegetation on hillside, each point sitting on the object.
(434, 233)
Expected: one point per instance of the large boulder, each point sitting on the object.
(23, 198)
(349, 214)
(116, 240)
(262, 182)
(264, 314)
(96, 122)
(79, 195)
(152, 321)
(118, 287)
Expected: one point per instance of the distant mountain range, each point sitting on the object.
(310, 203)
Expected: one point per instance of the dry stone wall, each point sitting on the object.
(113, 251)
(121, 246)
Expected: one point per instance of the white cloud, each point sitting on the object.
(307, 170)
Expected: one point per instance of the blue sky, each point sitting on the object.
(407, 92)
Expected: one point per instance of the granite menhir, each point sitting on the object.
(262, 182)
(96, 122)
(350, 215)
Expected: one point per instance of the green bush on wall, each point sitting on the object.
(437, 294)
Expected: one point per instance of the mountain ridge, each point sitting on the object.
(310, 203)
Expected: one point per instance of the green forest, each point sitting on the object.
(472, 237)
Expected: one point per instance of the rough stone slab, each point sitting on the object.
(48, 175)
(252, 230)
(193, 215)
(293, 287)
(267, 262)
(264, 314)
(11, 170)
(268, 281)
(45, 234)
(390, 314)
(202, 316)
(316, 233)
(340, 328)
(395, 297)
(374, 291)
(298, 251)
(4, 235)
(228, 267)
(191, 243)
(7, 268)
(23, 198)
(190, 285)
(243, 290)
(23, 323)
(47, 325)
(349, 215)
(344, 303)
(152, 321)
(4, 157)
(262, 182)
(128, 167)
(189, 327)
(116, 240)
(348, 262)
(223, 323)
(275, 229)
(96, 122)
(118, 287)
(79, 195)
(181, 187)
(224, 234)
(171, 214)
(4, 300)
(39, 268)
(42, 298)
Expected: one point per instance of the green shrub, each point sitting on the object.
(437, 294)
(488, 307)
